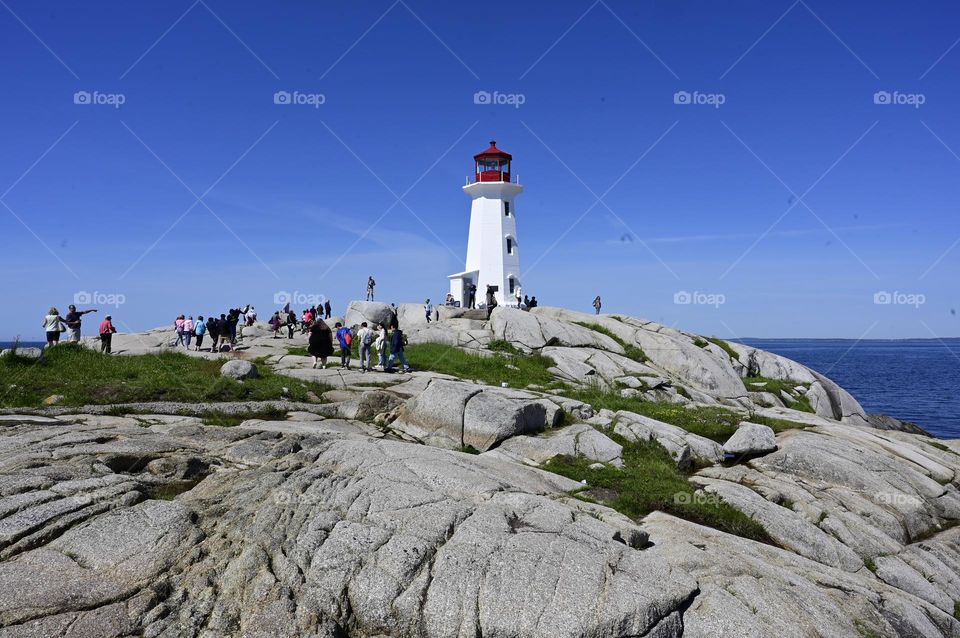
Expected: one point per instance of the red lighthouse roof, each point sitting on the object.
(493, 152)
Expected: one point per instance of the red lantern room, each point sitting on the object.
(492, 165)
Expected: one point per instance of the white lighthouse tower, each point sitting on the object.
(493, 257)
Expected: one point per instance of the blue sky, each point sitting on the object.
(781, 212)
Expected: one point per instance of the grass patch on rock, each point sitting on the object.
(230, 419)
(650, 481)
(632, 351)
(83, 376)
(502, 345)
(779, 386)
(518, 372)
(726, 347)
(298, 351)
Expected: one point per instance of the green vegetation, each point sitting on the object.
(299, 351)
(632, 350)
(864, 630)
(956, 609)
(869, 564)
(726, 347)
(84, 376)
(517, 371)
(777, 387)
(650, 480)
(700, 343)
(469, 449)
(502, 345)
(941, 447)
(716, 423)
(224, 419)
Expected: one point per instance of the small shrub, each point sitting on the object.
(502, 345)
(700, 343)
(224, 419)
(870, 564)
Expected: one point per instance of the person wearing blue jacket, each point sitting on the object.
(199, 329)
(345, 338)
(396, 349)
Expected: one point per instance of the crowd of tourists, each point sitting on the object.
(223, 332)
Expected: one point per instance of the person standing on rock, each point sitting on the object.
(320, 343)
(73, 321)
(381, 345)
(291, 324)
(597, 304)
(526, 302)
(213, 327)
(178, 327)
(344, 338)
(472, 296)
(224, 339)
(53, 325)
(428, 309)
(199, 330)
(326, 309)
(106, 334)
(188, 331)
(518, 296)
(365, 336)
(491, 301)
(397, 345)
(533, 302)
(370, 284)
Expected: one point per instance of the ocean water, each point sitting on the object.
(916, 380)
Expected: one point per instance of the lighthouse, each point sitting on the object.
(493, 255)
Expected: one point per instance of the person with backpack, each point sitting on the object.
(597, 304)
(178, 327)
(291, 323)
(275, 324)
(366, 336)
(344, 338)
(199, 330)
(397, 343)
(53, 325)
(106, 335)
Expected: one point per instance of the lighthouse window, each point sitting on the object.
(512, 285)
(509, 246)
(506, 209)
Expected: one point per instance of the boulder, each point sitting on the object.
(455, 414)
(697, 367)
(26, 353)
(575, 440)
(684, 447)
(373, 312)
(411, 314)
(751, 439)
(529, 331)
(238, 369)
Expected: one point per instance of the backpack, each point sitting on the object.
(367, 337)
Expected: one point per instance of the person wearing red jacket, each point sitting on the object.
(106, 334)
